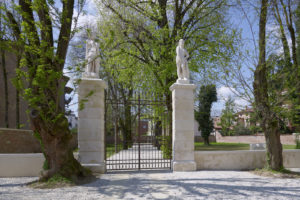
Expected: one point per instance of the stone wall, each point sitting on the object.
(26, 164)
(251, 139)
(22, 141)
(14, 165)
(241, 160)
(211, 138)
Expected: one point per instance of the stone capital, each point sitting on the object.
(182, 86)
(93, 82)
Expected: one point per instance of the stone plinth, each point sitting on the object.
(91, 124)
(183, 127)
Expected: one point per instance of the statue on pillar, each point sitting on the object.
(92, 58)
(181, 61)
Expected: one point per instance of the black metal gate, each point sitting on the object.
(137, 132)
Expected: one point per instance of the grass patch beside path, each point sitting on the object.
(289, 146)
(284, 173)
(54, 182)
(58, 181)
(220, 146)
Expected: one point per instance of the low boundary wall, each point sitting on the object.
(27, 164)
(252, 139)
(17, 165)
(211, 138)
(241, 160)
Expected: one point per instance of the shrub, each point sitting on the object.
(241, 130)
(166, 146)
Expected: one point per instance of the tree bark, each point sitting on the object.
(286, 49)
(206, 140)
(57, 149)
(269, 123)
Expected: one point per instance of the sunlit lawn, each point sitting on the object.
(220, 146)
(288, 146)
(110, 149)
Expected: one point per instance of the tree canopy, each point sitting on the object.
(140, 38)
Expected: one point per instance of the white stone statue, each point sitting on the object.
(92, 58)
(181, 62)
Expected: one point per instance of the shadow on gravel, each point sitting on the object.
(154, 187)
(12, 184)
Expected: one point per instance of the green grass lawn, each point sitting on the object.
(199, 146)
(288, 146)
(110, 149)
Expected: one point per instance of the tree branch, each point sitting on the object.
(65, 32)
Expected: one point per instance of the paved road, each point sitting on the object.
(161, 185)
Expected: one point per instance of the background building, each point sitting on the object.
(15, 116)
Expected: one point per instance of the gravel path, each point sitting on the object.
(161, 185)
(150, 157)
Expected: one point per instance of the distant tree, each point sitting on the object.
(240, 129)
(228, 117)
(285, 14)
(207, 95)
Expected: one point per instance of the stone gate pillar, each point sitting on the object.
(91, 124)
(183, 126)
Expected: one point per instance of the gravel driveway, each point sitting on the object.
(161, 185)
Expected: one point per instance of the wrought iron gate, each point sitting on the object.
(137, 132)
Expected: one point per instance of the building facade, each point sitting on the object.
(12, 113)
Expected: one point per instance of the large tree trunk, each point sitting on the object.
(274, 147)
(57, 149)
(269, 122)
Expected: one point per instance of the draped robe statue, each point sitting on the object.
(92, 58)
